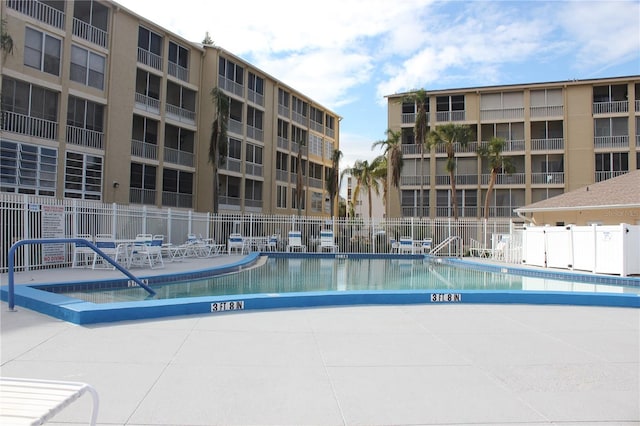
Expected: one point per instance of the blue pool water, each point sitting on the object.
(304, 275)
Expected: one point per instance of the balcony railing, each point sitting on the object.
(408, 117)
(150, 59)
(27, 125)
(458, 148)
(549, 178)
(547, 111)
(253, 204)
(85, 137)
(142, 196)
(299, 118)
(40, 11)
(505, 179)
(176, 156)
(318, 127)
(253, 169)
(415, 211)
(182, 115)
(255, 133)
(462, 211)
(178, 71)
(600, 176)
(502, 114)
(550, 144)
(232, 165)
(511, 145)
(283, 111)
(235, 126)
(283, 143)
(255, 97)
(147, 103)
(611, 142)
(330, 132)
(144, 149)
(610, 107)
(412, 149)
(415, 180)
(230, 86)
(282, 175)
(176, 199)
(230, 201)
(315, 183)
(450, 116)
(90, 33)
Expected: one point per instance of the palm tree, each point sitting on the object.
(449, 135)
(420, 131)
(363, 172)
(392, 149)
(332, 178)
(492, 152)
(218, 144)
(381, 174)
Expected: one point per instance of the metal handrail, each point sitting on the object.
(14, 247)
(447, 242)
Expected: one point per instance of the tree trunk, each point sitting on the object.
(454, 198)
(492, 181)
(216, 204)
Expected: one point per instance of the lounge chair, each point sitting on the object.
(295, 242)
(426, 245)
(35, 402)
(236, 243)
(147, 252)
(82, 253)
(327, 242)
(107, 244)
(405, 245)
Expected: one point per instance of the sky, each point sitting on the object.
(347, 55)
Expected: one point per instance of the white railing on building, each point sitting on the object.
(235, 126)
(255, 97)
(142, 196)
(283, 111)
(231, 86)
(415, 180)
(178, 71)
(546, 111)
(315, 183)
(40, 11)
(600, 176)
(549, 178)
(299, 118)
(176, 156)
(85, 137)
(253, 169)
(90, 33)
(283, 143)
(408, 117)
(232, 165)
(282, 175)
(230, 201)
(458, 148)
(255, 133)
(505, 179)
(502, 113)
(150, 59)
(330, 132)
(549, 144)
(144, 149)
(611, 141)
(412, 149)
(30, 126)
(182, 115)
(147, 103)
(610, 107)
(175, 199)
(450, 116)
(318, 127)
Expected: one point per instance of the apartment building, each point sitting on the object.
(560, 136)
(360, 208)
(99, 103)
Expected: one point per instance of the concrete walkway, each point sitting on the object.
(362, 365)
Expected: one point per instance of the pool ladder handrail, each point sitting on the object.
(452, 239)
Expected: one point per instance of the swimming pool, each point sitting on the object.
(276, 276)
(312, 280)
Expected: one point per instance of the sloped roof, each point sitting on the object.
(621, 191)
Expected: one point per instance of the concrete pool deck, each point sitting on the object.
(372, 365)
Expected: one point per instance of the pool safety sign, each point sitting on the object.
(227, 306)
(446, 297)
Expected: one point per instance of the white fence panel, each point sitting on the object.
(534, 246)
(584, 244)
(558, 243)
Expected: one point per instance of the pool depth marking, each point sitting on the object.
(446, 297)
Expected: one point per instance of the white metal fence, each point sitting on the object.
(28, 217)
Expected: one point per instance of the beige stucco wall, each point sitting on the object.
(586, 217)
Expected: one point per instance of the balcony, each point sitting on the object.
(30, 126)
(150, 59)
(144, 150)
(415, 180)
(460, 179)
(502, 114)
(412, 149)
(142, 196)
(299, 118)
(230, 86)
(462, 211)
(551, 144)
(318, 127)
(330, 132)
(255, 133)
(610, 107)
(415, 211)
(177, 71)
(505, 179)
(235, 126)
(315, 183)
(182, 115)
(511, 145)
(283, 111)
(450, 116)
(147, 103)
(611, 142)
(546, 111)
(470, 147)
(229, 203)
(39, 11)
(408, 118)
(232, 165)
(600, 176)
(176, 156)
(90, 33)
(253, 169)
(549, 178)
(176, 199)
(255, 97)
(255, 205)
(282, 175)
(85, 137)
(283, 143)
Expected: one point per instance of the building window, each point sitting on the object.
(298, 134)
(177, 188)
(87, 67)
(283, 98)
(253, 193)
(283, 129)
(85, 114)
(281, 196)
(316, 202)
(83, 176)
(231, 71)
(26, 100)
(253, 157)
(42, 51)
(178, 61)
(230, 190)
(28, 169)
(450, 108)
(254, 123)
(143, 183)
(611, 164)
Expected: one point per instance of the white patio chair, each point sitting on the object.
(426, 245)
(295, 242)
(405, 245)
(107, 244)
(272, 242)
(327, 242)
(147, 252)
(236, 243)
(82, 254)
(395, 245)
